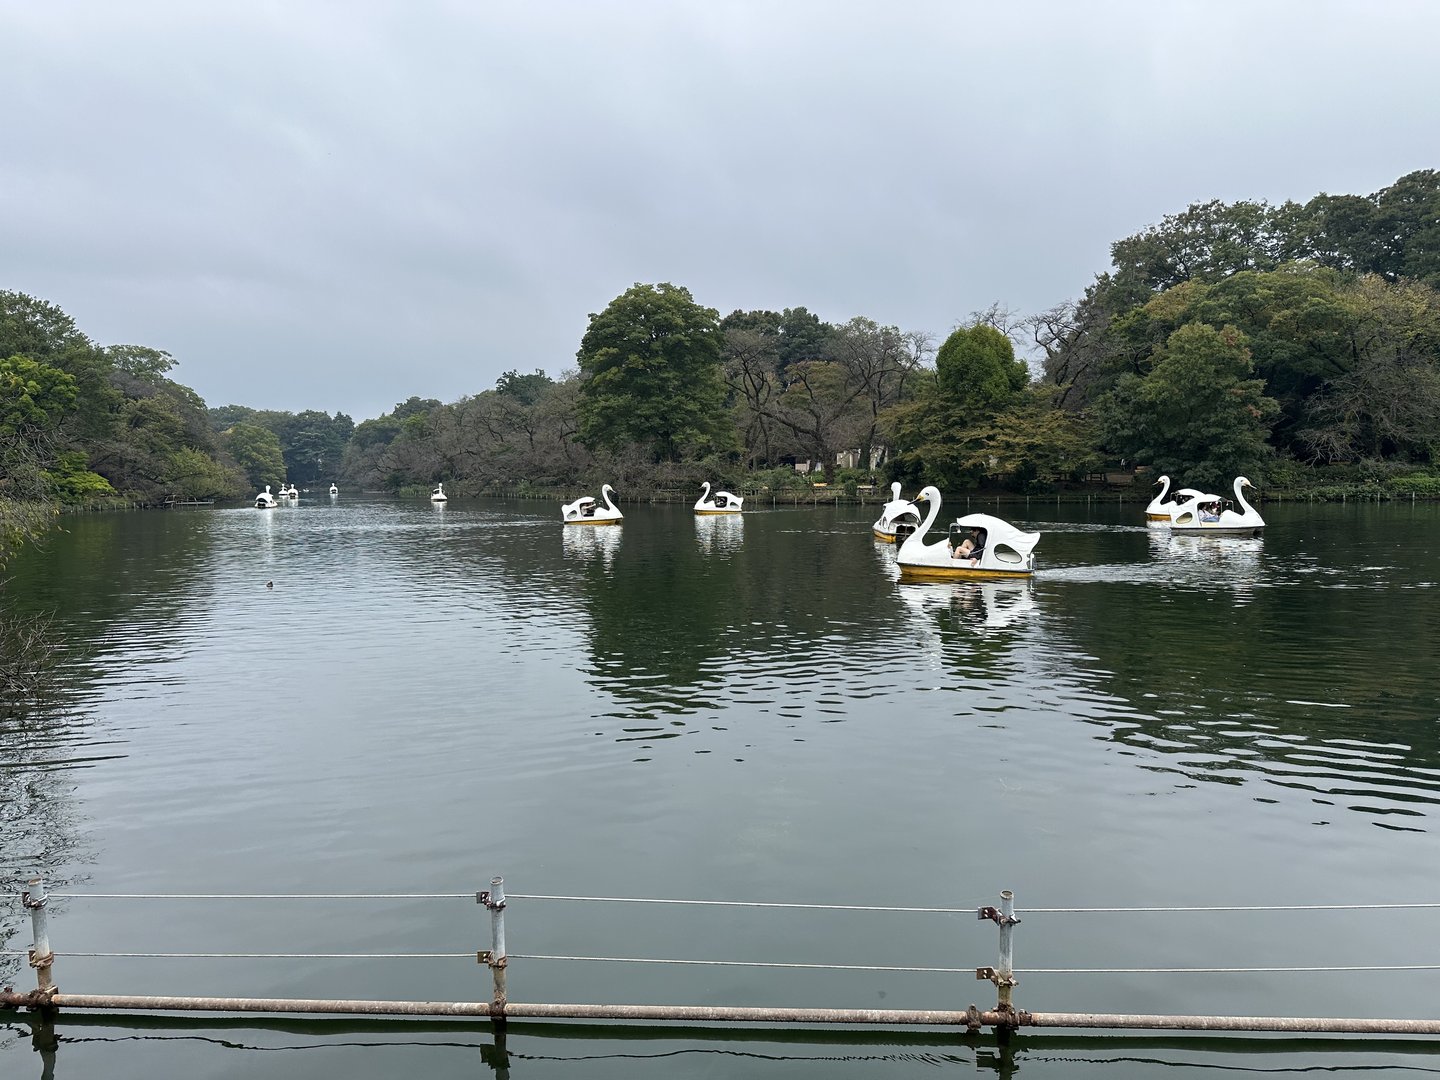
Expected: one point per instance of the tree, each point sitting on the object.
(257, 451)
(878, 360)
(1385, 401)
(526, 389)
(34, 397)
(977, 371)
(1198, 412)
(650, 369)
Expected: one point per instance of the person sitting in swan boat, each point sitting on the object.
(971, 546)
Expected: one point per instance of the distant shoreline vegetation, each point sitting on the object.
(1296, 344)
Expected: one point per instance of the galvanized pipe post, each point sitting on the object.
(496, 957)
(1003, 974)
(41, 957)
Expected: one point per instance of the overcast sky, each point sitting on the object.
(337, 206)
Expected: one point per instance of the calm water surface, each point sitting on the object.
(748, 709)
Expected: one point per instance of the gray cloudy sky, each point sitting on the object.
(339, 205)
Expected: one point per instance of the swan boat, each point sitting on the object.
(1159, 509)
(1206, 515)
(1005, 551)
(898, 517)
(438, 495)
(334, 490)
(586, 511)
(265, 501)
(722, 503)
(291, 493)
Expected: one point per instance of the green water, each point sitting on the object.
(744, 710)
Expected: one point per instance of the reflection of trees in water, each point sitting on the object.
(39, 827)
(683, 627)
(82, 575)
(1291, 686)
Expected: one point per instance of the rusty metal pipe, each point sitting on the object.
(731, 1014)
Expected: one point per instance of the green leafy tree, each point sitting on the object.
(256, 450)
(1385, 403)
(942, 435)
(651, 375)
(1199, 412)
(526, 389)
(34, 397)
(977, 372)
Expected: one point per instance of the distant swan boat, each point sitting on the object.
(1206, 515)
(898, 517)
(586, 511)
(722, 503)
(334, 490)
(438, 495)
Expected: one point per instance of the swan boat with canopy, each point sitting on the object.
(978, 546)
(721, 503)
(1211, 515)
(265, 501)
(438, 495)
(898, 518)
(1160, 507)
(586, 511)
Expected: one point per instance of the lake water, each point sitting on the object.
(751, 709)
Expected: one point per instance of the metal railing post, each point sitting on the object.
(41, 957)
(1003, 974)
(494, 899)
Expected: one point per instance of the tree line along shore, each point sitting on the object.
(1298, 344)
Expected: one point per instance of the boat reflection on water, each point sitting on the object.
(1189, 559)
(983, 605)
(719, 532)
(592, 545)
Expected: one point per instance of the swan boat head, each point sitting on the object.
(1158, 510)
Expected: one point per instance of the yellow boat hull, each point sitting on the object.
(957, 573)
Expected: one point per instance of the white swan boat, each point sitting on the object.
(334, 491)
(722, 503)
(438, 495)
(1003, 550)
(586, 511)
(1210, 516)
(291, 493)
(264, 500)
(1160, 507)
(898, 517)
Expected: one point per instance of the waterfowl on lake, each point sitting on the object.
(265, 501)
(722, 503)
(438, 495)
(978, 545)
(898, 517)
(1210, 514)
(586, 511)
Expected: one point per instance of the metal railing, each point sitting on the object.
(1004, 1017)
